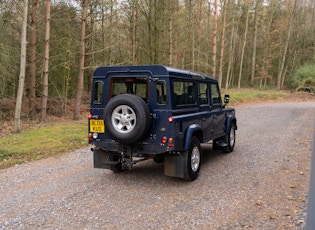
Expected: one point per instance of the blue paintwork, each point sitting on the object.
(207, 122)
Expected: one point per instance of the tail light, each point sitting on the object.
(164, 140)
(90, 137)
(170, 119)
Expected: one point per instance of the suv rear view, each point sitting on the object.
(157, 112)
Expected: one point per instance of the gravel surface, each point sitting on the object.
(263, 184)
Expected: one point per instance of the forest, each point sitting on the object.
(50, 48)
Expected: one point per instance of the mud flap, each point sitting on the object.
(100, 157)
(174, 165)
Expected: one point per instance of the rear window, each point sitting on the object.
(132, 85)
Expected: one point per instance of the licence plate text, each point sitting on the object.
(97, 126)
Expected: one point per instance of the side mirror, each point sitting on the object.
(226, 98)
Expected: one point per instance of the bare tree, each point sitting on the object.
(17, 116)
(222, 44)
(188, 33)
(243, 47)
(46, 63)
(135, 24)
(214, 43)
(179, 33)
(78, 97)
(252, 78)
(170, 32)
(32, 81)
(282, 71)
(229, 74)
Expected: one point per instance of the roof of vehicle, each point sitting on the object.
(156, 70)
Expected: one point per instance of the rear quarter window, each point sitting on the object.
(161, 93)
(98, 92)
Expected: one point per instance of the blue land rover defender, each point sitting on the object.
(160, 113)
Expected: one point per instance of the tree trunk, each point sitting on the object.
(170, 32)
(89, 55)
(188, 26)
(77, 106)
(222, 45)
(268, 47)
(110, 38)
(46, 64)
(214, 43)
(17, 116)
(32, 81)
(243, 49)
(281, 74)
(252, 78)
(229, 73)
(134, 10)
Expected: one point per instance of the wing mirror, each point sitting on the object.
(226, 98)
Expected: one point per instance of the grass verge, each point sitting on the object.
(51, 139)
(251, 95)
(58, 137)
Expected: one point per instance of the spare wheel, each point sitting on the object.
(127, 118)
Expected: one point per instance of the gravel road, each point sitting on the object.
(263, 184)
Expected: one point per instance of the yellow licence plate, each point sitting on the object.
(97, 126)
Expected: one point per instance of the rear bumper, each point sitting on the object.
(137, 149)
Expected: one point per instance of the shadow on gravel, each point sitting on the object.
(151, 172)
(209, 154)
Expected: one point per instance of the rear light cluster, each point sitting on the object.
(170, 140)
(92, 136)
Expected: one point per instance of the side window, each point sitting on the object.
(215, 95)
(161, 94)
(98, 92)
(184, 93)
(203, 94)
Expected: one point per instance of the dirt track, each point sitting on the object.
(263, 184)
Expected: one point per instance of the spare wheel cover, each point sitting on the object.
(127, 118)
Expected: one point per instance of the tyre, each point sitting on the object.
(158, 160)
(215, 145)
(229, 139)
(127, 118)
(117, 168)
(192, 160)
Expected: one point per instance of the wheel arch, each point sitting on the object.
(193, 131)
(229, 121)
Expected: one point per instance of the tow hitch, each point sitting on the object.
(114, 162)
